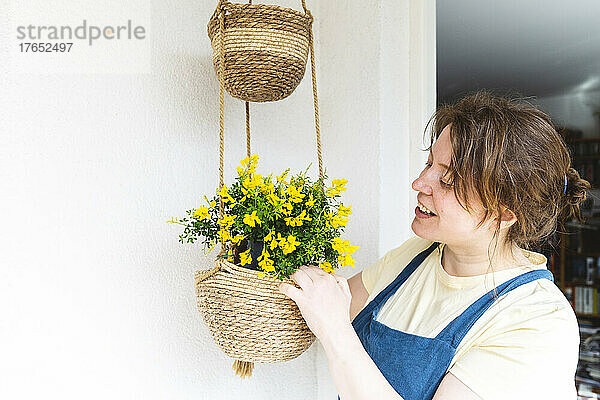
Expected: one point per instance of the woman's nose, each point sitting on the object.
(420, 185)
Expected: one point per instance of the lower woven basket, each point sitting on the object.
(249, 318)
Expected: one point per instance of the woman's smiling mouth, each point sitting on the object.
(423, 212)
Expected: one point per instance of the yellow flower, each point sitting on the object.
(279, 238)
(273, 244)
(332, 192)
(269, 237)
(259, 181)
(297, 221)
(245, 257)
(311, 201)
(281, 178)
(346, 260)
(223, 192)
(294, 194)
(251, 183)
(252, 219)
(326, 266)
(291, 221)
(337, 188)
(268, 265)
(249, 161)
(335, 221)
(172, 221)
(286, 208)
(344, 211)
(249, 164)
(237, 239)
(201, 213)
(213, 203)
(351, 249)
(268, 187)
(261, 274)
(224, 235)
(225, 195)
(289, 245)
(227, 220)
(273, 199)
(265, 262)
(343, 246)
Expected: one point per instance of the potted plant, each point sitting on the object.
(268, 227)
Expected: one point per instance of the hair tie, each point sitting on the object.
(565, 191)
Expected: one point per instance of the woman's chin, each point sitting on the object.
(421, 231)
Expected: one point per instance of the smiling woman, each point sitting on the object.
(463, 310)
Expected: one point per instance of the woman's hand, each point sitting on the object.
(324, 300)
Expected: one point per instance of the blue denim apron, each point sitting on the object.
(415, 365)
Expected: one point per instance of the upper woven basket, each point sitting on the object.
(260, 51)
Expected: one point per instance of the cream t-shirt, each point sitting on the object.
(525, 346)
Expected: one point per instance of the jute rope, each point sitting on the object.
(315, 101)
(247, 315)
(248, 152)
(221, 106)
(221, 122)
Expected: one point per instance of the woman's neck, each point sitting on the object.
(472, 260)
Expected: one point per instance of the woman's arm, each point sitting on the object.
(451, 388)
(359, 295)
(355, 374)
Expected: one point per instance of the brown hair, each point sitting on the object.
(508, 153)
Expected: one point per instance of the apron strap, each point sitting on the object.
(456, 330)
(386, 293)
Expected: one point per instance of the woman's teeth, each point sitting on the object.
(424, 209)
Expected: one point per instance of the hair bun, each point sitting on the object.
(577, 188)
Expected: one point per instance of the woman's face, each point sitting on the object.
(450, 223)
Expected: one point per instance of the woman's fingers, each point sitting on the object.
(313, 271)
(307, 276)
(302, 278)
(343, 282)
(292, 292)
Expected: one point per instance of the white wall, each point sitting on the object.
(575, 110)
(97, 293)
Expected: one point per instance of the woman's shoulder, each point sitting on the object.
(540, 305)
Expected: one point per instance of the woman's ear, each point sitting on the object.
(507, 218)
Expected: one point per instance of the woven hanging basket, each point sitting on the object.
(249, 318)
(262, 55)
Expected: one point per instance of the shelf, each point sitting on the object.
(571, 253)
(592, 316)
(572, 224)
(584, 157)
(589, 381)
(572, 283)
(584, 140)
